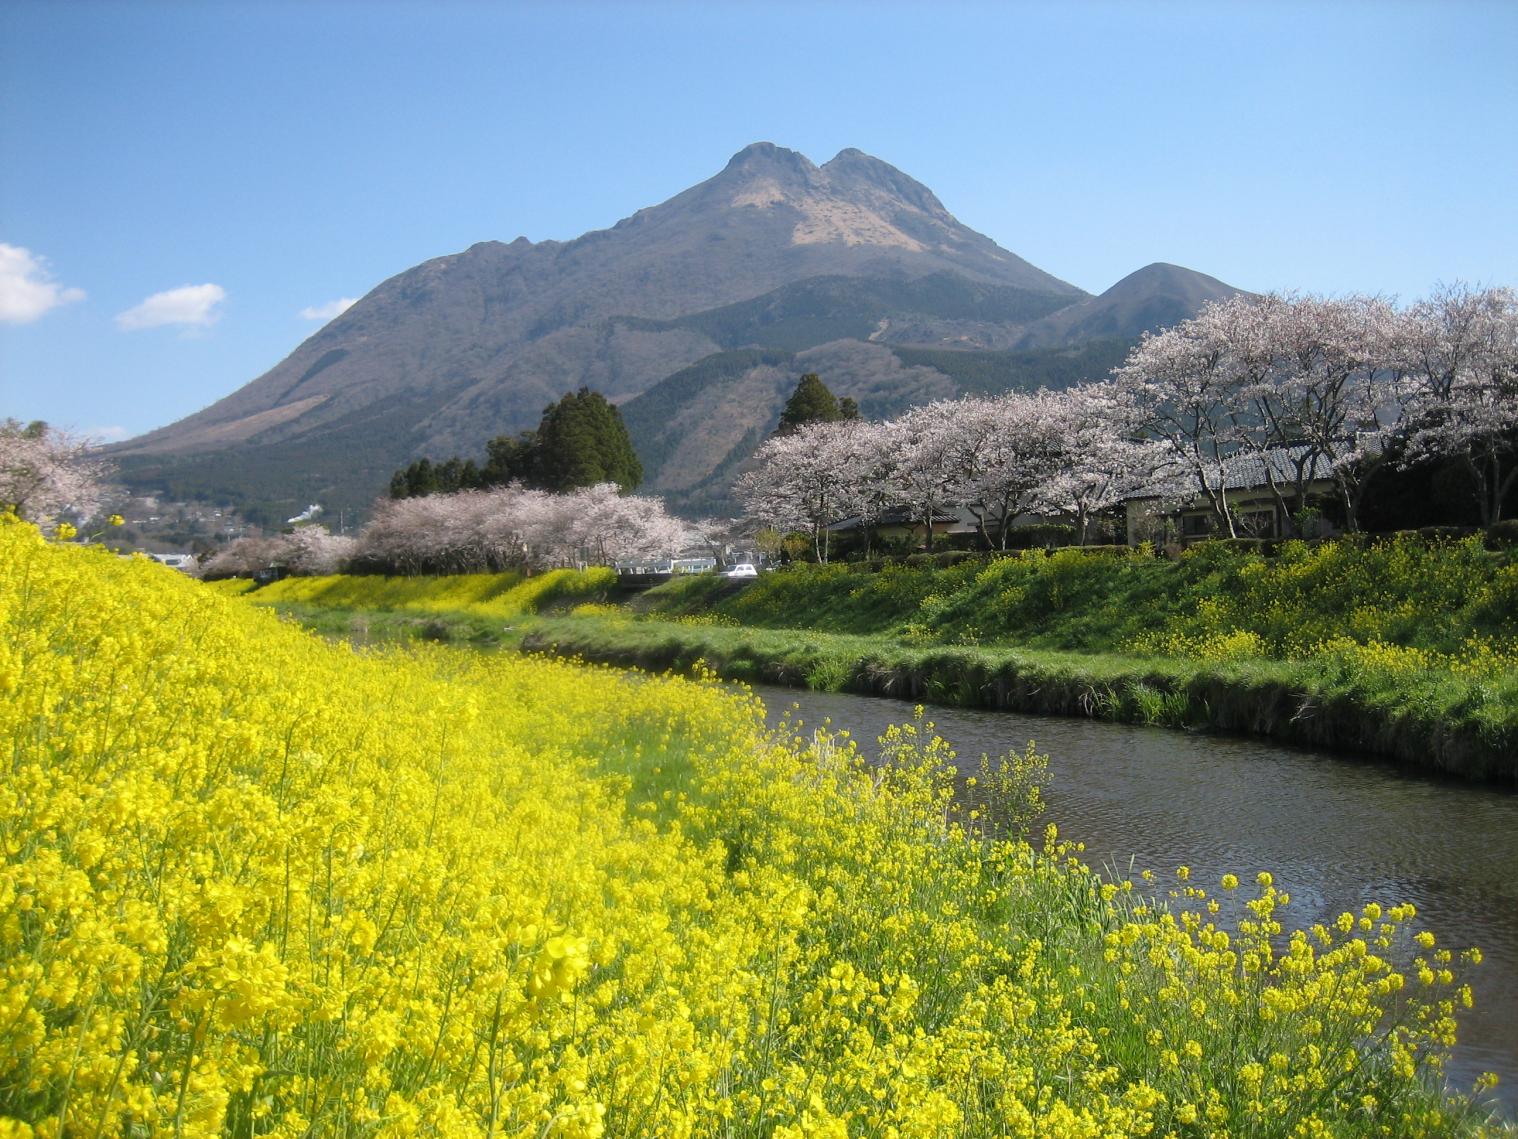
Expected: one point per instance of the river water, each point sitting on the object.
(1335, 833)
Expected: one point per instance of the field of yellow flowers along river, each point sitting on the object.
(259, 884)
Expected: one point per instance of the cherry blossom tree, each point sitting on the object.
(1321, 394)
(243, 558)
(860, 453)
(313, 551)
(1459, 349)
(717, 536)
(930, 460)
(307, 551)
(1307, 385)
(1186, 395)
(47, 474)
(807, 478)
(1102, 460)
(599, 525)
(440, 533)
(1012, 446)
(511, 526)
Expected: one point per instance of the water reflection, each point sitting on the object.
(1335, 833)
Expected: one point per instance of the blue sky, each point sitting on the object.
(180, 182)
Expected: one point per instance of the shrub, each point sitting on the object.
(1445, 533)
(956, 557)
(960, 542)
(1502, 535)
(1038, 534)
(1262, 546)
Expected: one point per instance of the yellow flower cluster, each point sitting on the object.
(1480, 659)
(1378, 656)
(1386, 599)
(1214, 648)
(253, 883)
(483, 594)
(691, 619)
(1483, 658)
(230, 586)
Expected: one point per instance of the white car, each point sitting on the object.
(742, 569)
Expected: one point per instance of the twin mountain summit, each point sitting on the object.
(695, 317)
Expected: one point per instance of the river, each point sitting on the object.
(1335, 833)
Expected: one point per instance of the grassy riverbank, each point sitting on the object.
(1453, 604)
(1406, 650)
(1427, 719)
(255, 882)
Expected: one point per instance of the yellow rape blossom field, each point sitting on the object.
(254, 883)
(481, 594)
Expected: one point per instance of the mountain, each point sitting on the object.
(842, 265)
(1156, 296)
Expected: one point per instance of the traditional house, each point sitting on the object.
(1153, 514)
(904, 522)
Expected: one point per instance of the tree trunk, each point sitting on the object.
(1486, 510)
(1504, 486)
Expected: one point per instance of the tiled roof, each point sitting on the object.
(1247, 470)
(899, 516)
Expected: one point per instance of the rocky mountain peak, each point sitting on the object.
(855, 200)
(758, 158)
(851, 168)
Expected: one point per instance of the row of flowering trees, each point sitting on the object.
(1337, 381)
(508, 527)
(1072, 453)
(1312, 387)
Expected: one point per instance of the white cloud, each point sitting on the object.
(328, 310)
(193, 305)
(112, 434)
(26, 288)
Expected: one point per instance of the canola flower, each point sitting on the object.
(482, 594)
(254, 883)
(1369, 608)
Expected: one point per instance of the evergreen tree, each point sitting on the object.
(582, 441)
(848, 408)
(449, 475)
(811, 402)
(417, 478)
(510, 458)
(421, 478)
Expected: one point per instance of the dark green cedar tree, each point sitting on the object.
(581, 442)
(811, 402)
